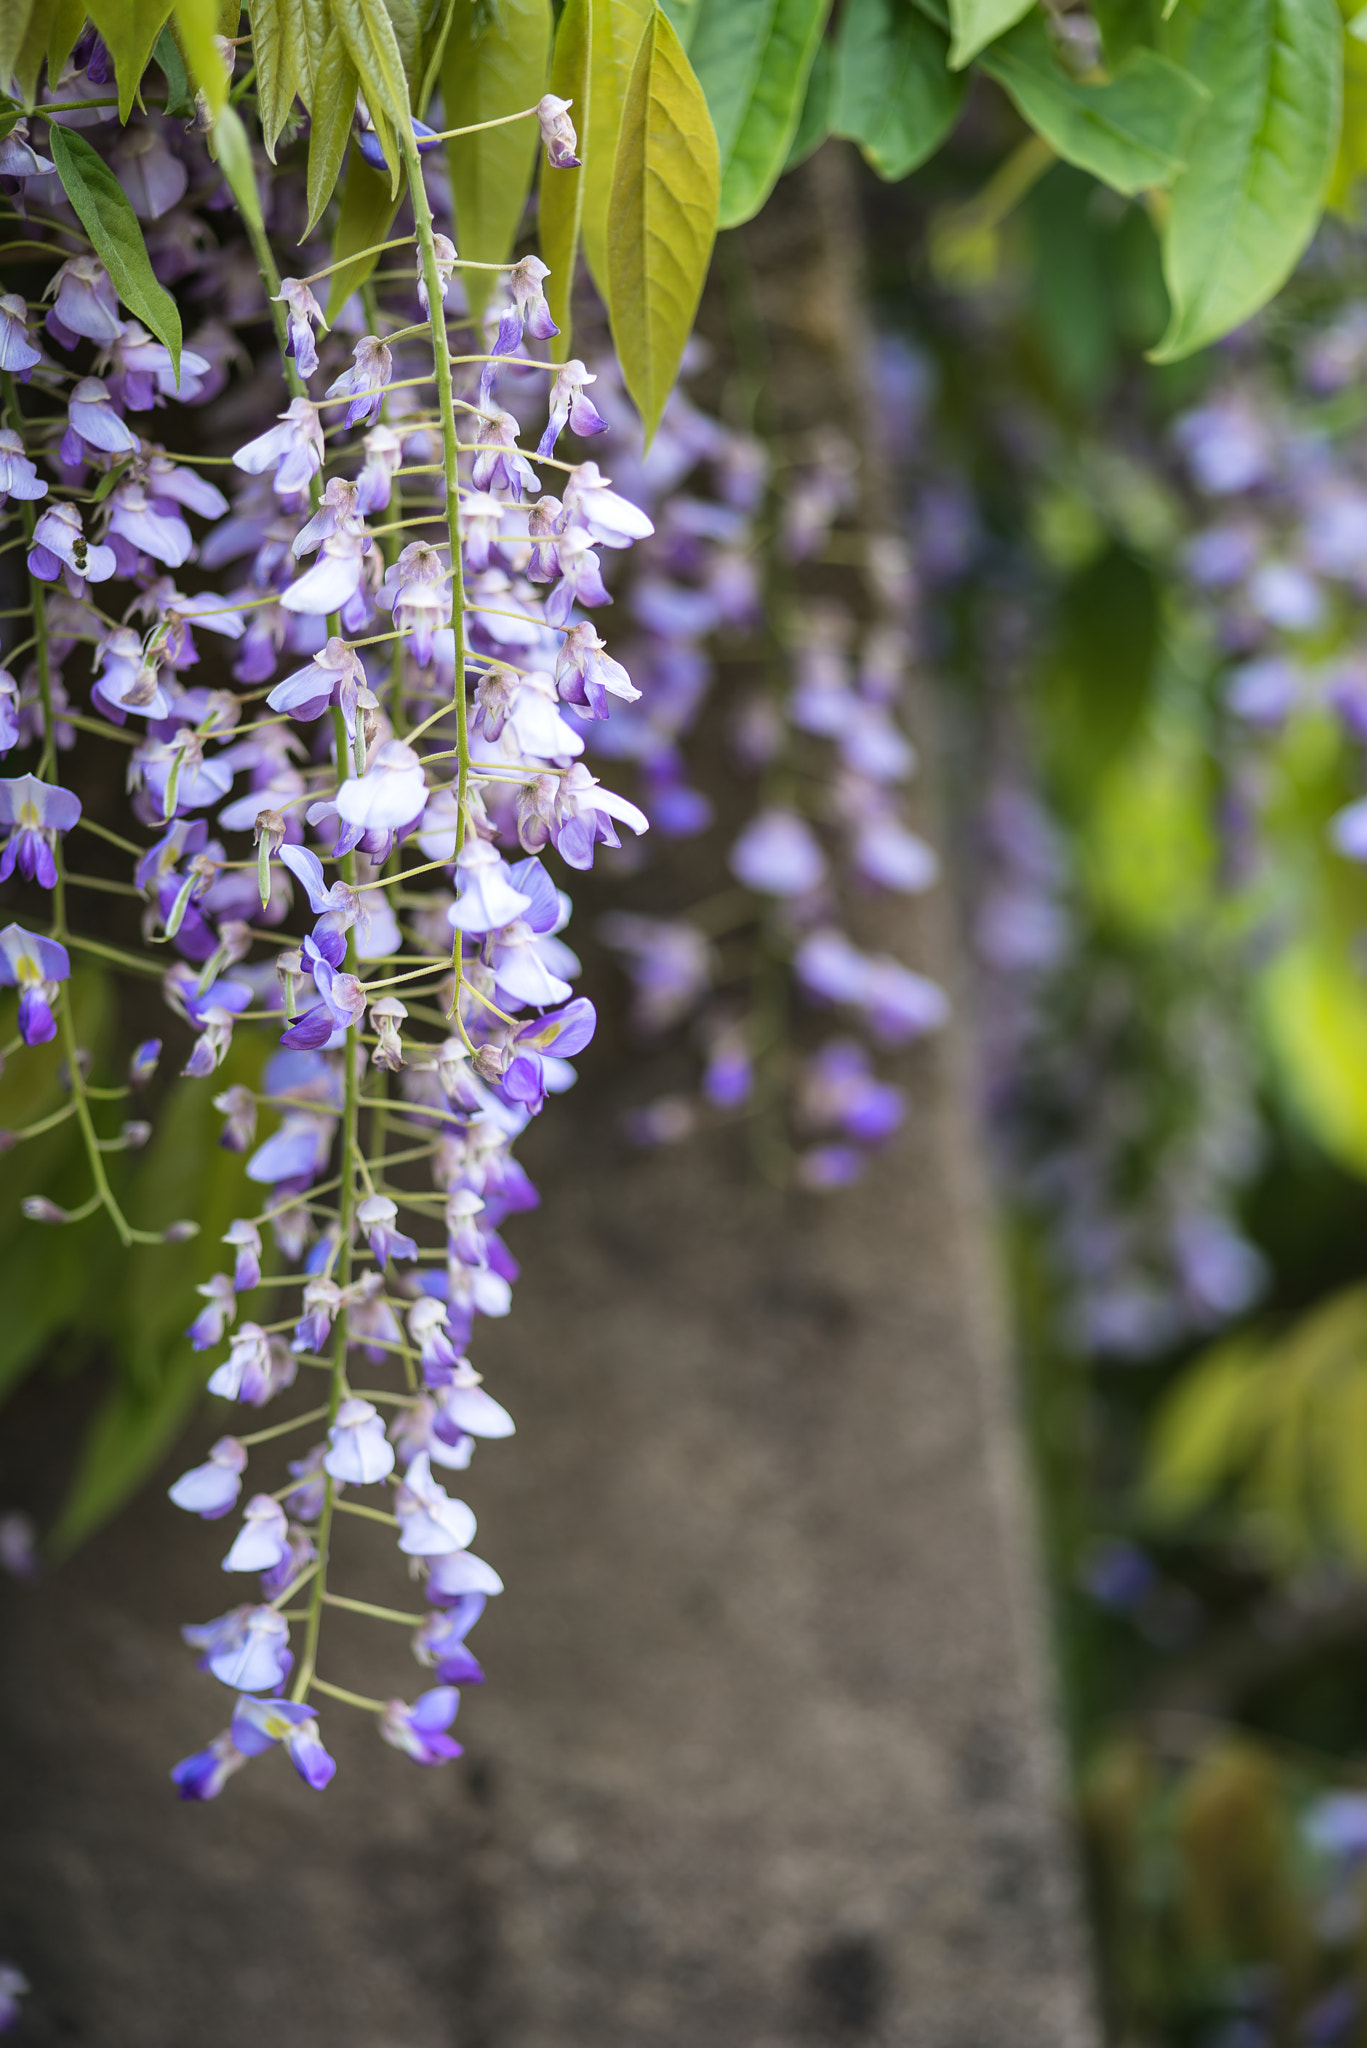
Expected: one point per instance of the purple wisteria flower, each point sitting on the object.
(60, 547)
(420, 1730)
(14, 1985)
(203, 1775)
(361, 1453)
(211, 1489)
(571, 406)
(36, 967)
(417, 590)
(376, 1216)
(17, 353)
(557, 132)
(302, 315)
(94, 424)
(440, 1642)
(292, 451)
(778, 854)
(364, 384)
(247, 1648)
(86, 306)
(258, 1725)
(18, 476)
(263, 1539)
(36, 812)
(444, 250)
(390, 795)
(430, 1522)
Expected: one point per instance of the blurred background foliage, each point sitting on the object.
(1144, 598)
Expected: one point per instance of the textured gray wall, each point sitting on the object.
(765, 1756)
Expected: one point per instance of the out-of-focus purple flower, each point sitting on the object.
(668, 960)
(36, 812)
(1117, 1574)
(152, 178)
(361, 1453)
(59, 543)
(1286, 595)
(377, 1216)
(839, 1091)
(1348, 830)
(18, 1545)
(17, 353)
(1222, 1273)
(247, 1648)
(258, 1725)
(85, 307)
(209, 1490)
(899, 1004)
(35, 966)
(142, 1062)
(203, 1775)
(444, 250)
(430, 1522)
(238, 1106)
(1335, 1825)
(257, 1366)
(453, 1577)
(262, 1540)
(1227, 444)
(245, 1239)
(420, 1730)
(292, 450)
(303, 312)
(823, 1168)
(364, 384)
(557, 132)
(778, 854)
(612, 520)
(14, 1985)
(383, 457)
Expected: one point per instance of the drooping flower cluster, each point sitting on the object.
(353, 845)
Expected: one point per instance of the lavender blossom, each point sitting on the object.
(211, 1489)
(557, 132)
(303, 314)
(36, 967)
(36, 811)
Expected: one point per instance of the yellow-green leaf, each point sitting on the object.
(560, 200)
(615, 31)
(494, 65)
(197, 24)
(29, 62)
(129, 29)
(334, 102)
(663, 217)
(233, 154)
(15, 16)
(278, 49)
(373, 48)
(368, 208)
(1315, 1016)
(65, 20)
(104, 212)
(979, 22)
(1203, 1430)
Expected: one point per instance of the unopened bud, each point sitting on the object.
(135, 1134)
(180, 1233)
(38, 1209)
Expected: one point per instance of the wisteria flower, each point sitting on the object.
(779, 855)
(19, 160)
(334, 579)
(416, 589)
(453, 1577)
(487, 897)
(9, 712)
(17, 353)
(218, 1313)
(18, 476)
(92, 422)
(390, 795)
(263, 1538)
(59, 544)
(464, 1405)
(303, 313)
(257, 1366)
(149, 525)
(151, 176)
(420, 1730)
(210, 1490)
(570, 405)
(247, 1648)
(292, 451)
(499, 463)
(612, 520)
(557, 132)
(365, 382)
(575, 812)
(258, 1725)
(36, 967)
(36, 811)
(444, 249)
(383, 459)
(245, 1239)
(334, 676)
(203, 1775)
(430, 1522)
(338, 512)
(440, 1642)
(85, 307)
(361, 1453)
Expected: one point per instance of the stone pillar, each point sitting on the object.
(766, 1756)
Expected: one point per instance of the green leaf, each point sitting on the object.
(1258, 162)
(180, 101)
(753, 59)
(373, 48)
(109, 220)
(197, 24)
(1314, 1009)
(65, 19)
(278, 48)
(1133, 133)
(560, 196)
(893, 92)
(334, 103)
(977, 23)
(403, 19)
(29, 62)
(1202, 1430)
(615, 31)
(15, 16)
(662, 220)
(233, 154)
(129, 28)
(814, 124)
(493, 67)
(367, 212)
